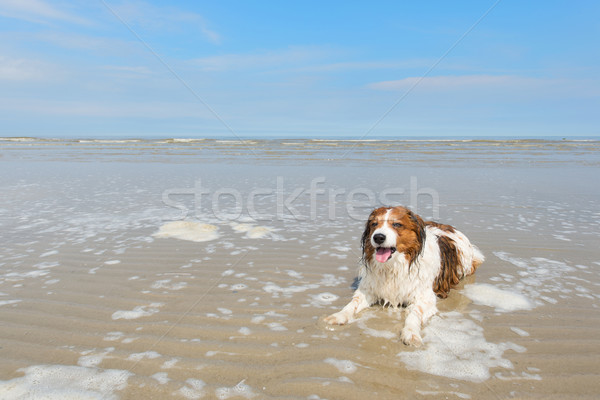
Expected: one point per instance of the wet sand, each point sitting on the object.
(95, 303)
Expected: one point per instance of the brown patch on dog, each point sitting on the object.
(449, 275)
(443, 227)
(409, 227)
(411, 232)
(376, 219)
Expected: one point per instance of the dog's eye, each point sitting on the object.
(373, 224)
(397, 225)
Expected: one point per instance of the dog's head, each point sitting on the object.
(392, 232)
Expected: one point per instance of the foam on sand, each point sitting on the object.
(137, 312)
(8, 302)
(252, 232)
(146, 354)
(362, 324)
(541, 279)
(64, 382)
(188, 230)
(92, 359)
(258, 232)
(323, 299)
(344, 366)
(454, 347)
(501, 300)
(161, 377)
(239, 390)
(194, 389)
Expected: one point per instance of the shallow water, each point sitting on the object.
(307, 152)
(97, 301)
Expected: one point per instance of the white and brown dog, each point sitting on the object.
(407, 262)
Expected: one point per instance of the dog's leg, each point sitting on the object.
(359, 302)
(417, 314)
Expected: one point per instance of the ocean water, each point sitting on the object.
(202, 268)
(406, 152)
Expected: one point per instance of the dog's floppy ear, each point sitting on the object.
(366, 235)
(365, 240)
(419, 230)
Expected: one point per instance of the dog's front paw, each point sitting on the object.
(411, 338)
(338, 318)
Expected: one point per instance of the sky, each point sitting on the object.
(350, 69)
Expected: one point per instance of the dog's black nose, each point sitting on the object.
(379, 238)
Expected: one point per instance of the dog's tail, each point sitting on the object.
(478, 259)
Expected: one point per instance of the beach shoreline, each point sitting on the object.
(96, 299)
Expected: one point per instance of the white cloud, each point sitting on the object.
(450, 82)
(38, 11)
(494, 84)
(368, 65)
(134, 70)
(78, 41)
(106, 109)
(151, 17)
(290, 57)
(21, 69)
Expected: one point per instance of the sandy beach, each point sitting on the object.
(187, 269)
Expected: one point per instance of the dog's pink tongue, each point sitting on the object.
(383, 254)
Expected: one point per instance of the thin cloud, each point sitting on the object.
(211, 35)
(98, 109)
(450, 82)
(21, 69)
(495, 84)
(150, 17)
(367, 65)
(136, 70)
(86, 43)
(290, 57)
(37, 11)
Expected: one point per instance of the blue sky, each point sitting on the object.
(299, 69)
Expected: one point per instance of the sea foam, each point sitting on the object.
(137, 312)
(501, 300)
(64, 382)
(252, 232)
(456, 348)
(188, 230)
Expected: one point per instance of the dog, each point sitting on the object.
(407, 262)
